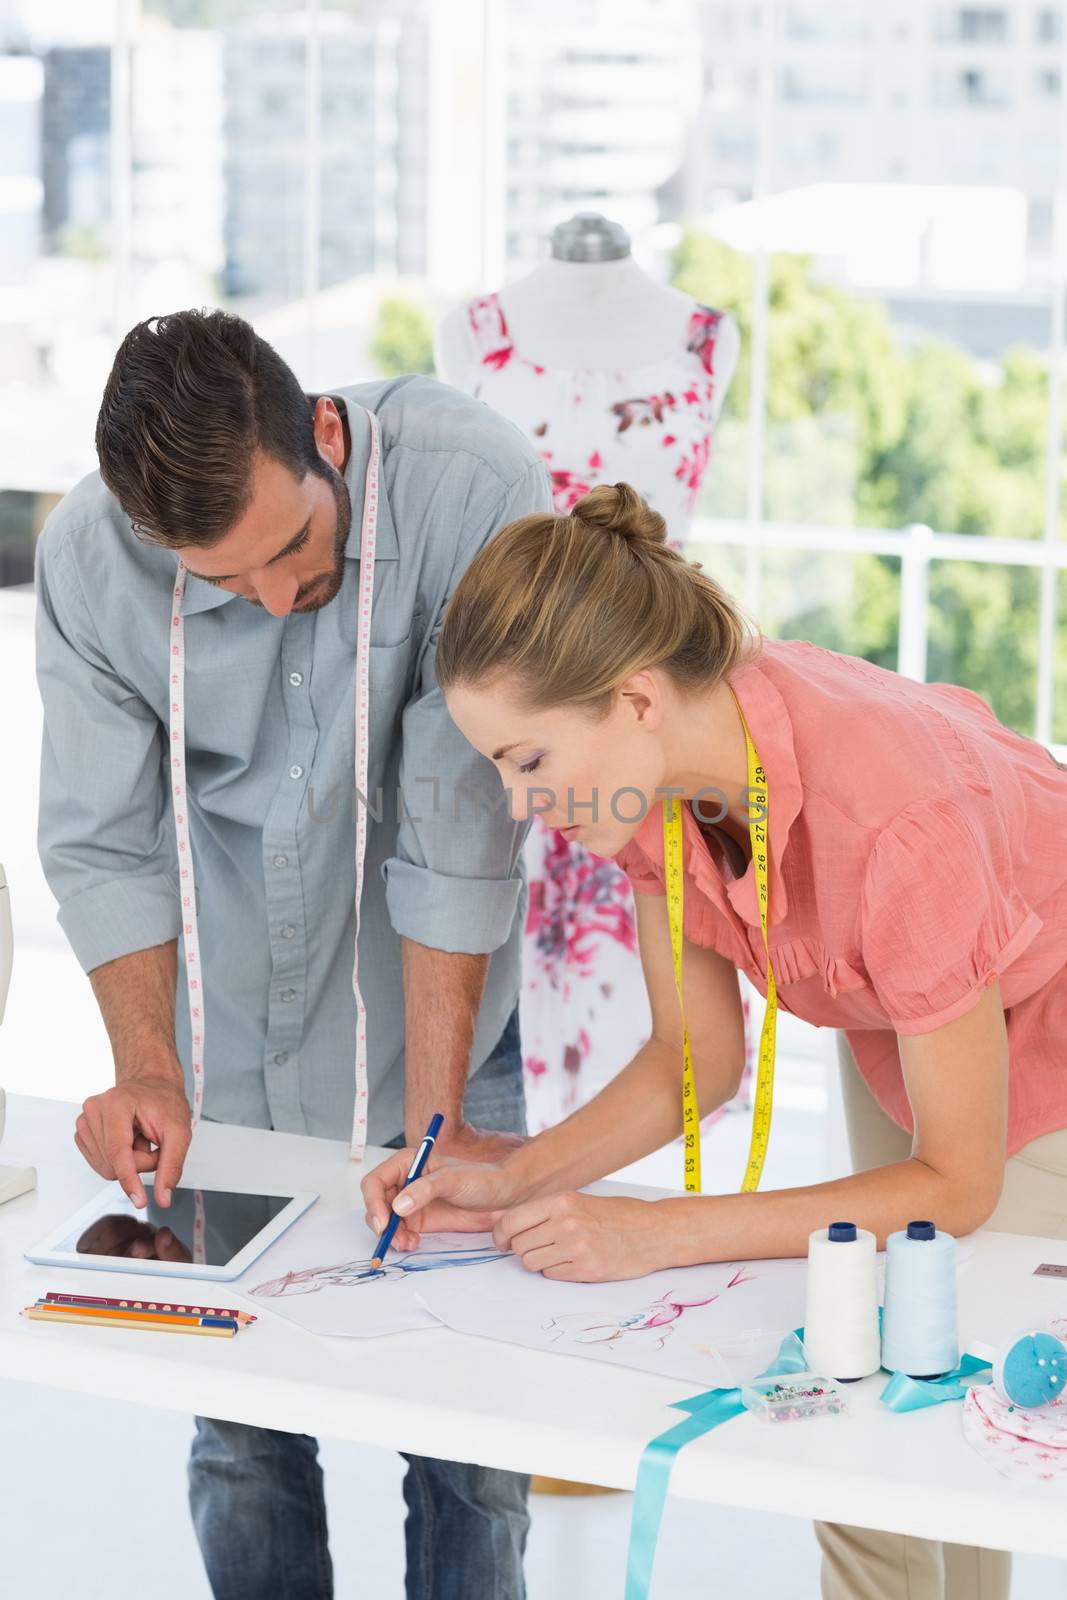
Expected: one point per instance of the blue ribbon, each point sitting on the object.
(902, 1393)
(706, 1411)
(716, 1406)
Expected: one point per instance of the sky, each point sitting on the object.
(63, 21)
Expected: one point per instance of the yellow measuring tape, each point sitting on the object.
(674, 882)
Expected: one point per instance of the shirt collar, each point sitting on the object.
(771, 729)
(202, 596)
(386, 546)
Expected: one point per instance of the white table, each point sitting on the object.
(439, 1393)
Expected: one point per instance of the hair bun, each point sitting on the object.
(618, 508)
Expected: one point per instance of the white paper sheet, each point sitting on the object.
(709, 1325)
(319, 1276)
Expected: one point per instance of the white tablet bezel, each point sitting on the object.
(48, 1254)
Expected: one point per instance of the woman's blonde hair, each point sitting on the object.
(572, 606)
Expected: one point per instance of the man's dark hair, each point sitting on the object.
(189, 399)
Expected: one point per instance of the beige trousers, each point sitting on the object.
(859, 1564)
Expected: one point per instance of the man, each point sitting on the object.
(212, 453)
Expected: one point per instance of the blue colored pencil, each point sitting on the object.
(422, 1155)
(130, 1303)
(75, 1315)
(210, 1319)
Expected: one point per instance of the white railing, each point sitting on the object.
(915, 547)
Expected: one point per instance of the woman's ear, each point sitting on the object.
(644, 696)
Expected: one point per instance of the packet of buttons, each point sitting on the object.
(794, 1399)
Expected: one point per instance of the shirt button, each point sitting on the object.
(286, 995)
(281, 1058)
(281, 861)
(296, 679)
(288, 931)
(296, 772)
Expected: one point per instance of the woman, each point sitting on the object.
(917, 901)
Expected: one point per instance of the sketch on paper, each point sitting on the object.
(308, 1277)
(714, 1324)
(351, 1274)
(657, 1320)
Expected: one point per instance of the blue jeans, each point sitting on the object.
(256, 1493)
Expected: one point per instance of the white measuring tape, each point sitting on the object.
(194, 976)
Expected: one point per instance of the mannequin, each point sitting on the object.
(613, 377)
(611, 313)
(610, 374)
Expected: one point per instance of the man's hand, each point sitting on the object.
(467, 1143)
(142, 1125)
(450, 1197)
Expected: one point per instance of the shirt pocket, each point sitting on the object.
(391, 673)
(389, 662)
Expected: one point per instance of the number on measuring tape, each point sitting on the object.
(674, 881)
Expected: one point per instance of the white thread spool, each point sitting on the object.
(841, 1335)
(920, 1334)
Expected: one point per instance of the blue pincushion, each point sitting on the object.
(1033, 1371)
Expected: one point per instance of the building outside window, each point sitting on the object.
(832, 174)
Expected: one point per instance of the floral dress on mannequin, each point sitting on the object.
(584, 1011)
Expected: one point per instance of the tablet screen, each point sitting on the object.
(165, 1233)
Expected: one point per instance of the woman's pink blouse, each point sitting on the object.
(918, 851)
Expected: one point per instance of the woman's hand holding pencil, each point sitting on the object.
(472, 1196)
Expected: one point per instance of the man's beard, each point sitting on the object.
(328, 586)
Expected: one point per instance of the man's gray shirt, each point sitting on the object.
(269, 729)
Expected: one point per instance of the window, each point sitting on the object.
(826, 24)
(1048, 25)
(824, 88)
(1039, 226)
(907, 323)
(975, 86)
(736, 146)
(974, 25)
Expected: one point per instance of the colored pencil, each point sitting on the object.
(130, 1304)
(422, 1155)
(217, 1328)
(115, 1314)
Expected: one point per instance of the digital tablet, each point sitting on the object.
(203, 1233)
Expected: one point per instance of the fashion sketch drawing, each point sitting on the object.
(353, 1274)
(650, 1326)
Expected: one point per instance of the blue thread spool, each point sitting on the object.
(920, 1335)
(1032, 1372)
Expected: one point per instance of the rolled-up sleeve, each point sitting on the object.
(455, 880)
(941, 915)
(103, 834)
